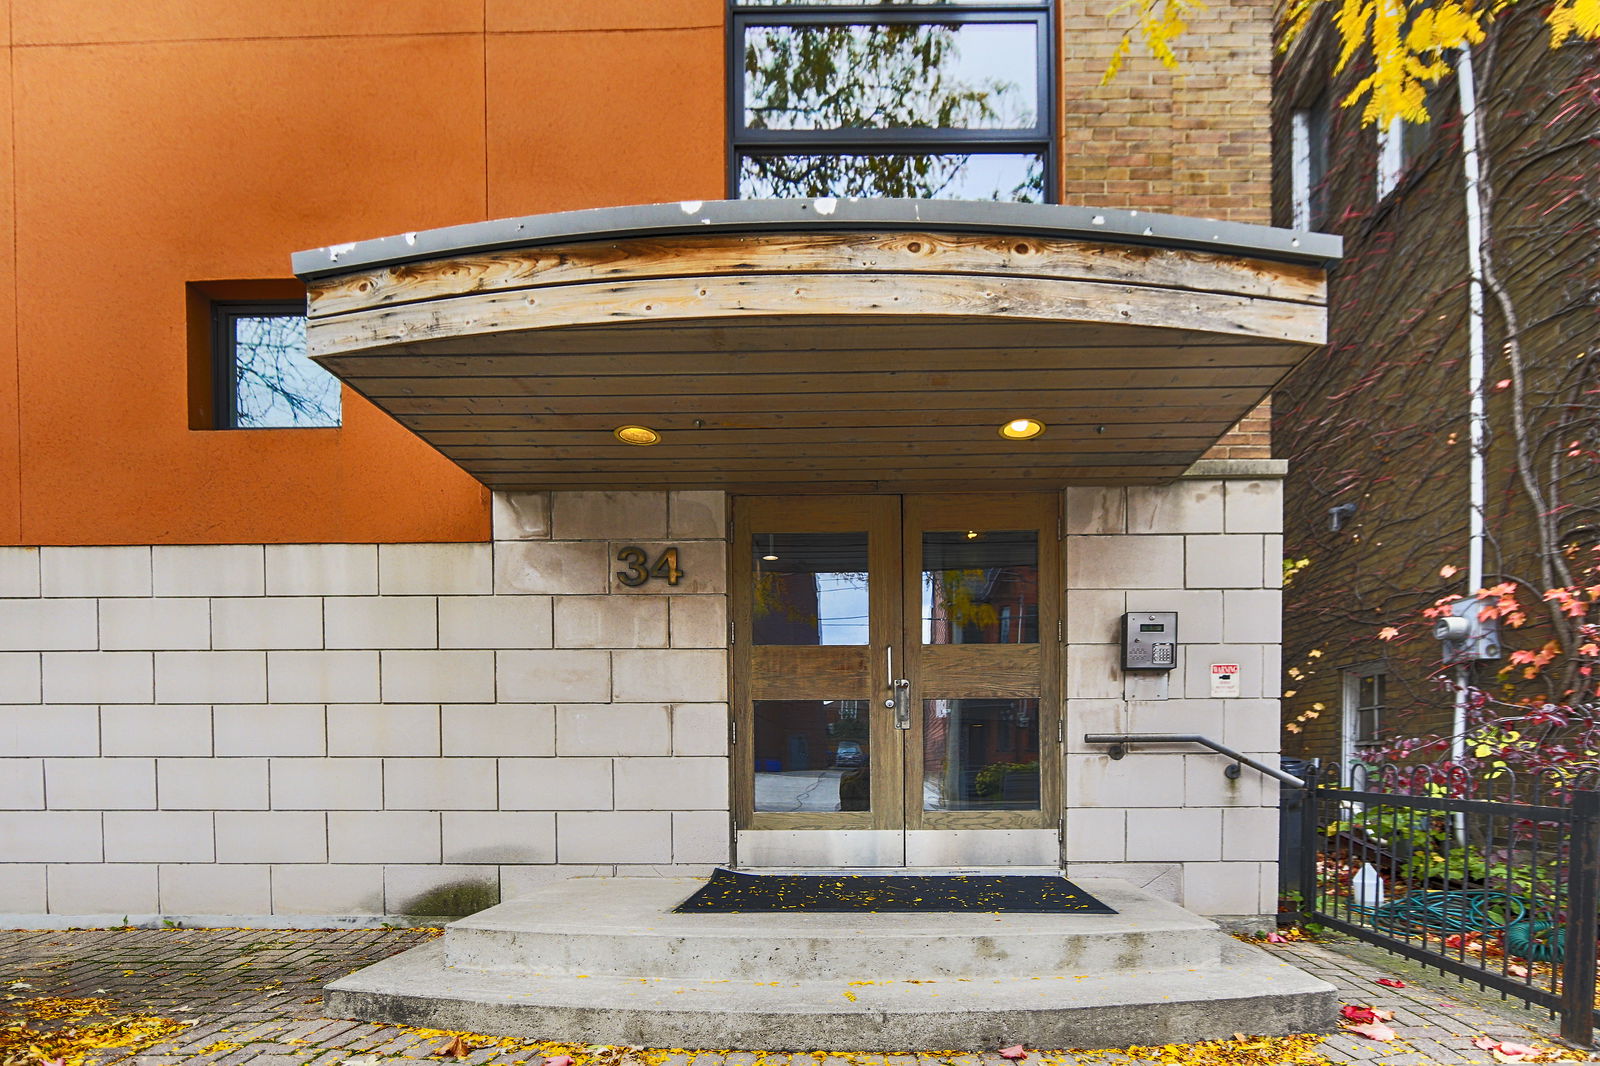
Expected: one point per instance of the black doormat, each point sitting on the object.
(731, 892)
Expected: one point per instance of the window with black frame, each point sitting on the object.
(264, 378)
(920, 99)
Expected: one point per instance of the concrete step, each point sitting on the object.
(628, 930)
(602, 961)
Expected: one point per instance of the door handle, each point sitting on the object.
(899, 692)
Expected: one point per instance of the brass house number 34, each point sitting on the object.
(640, 569)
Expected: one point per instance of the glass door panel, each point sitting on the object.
(813, 617)
(984, 683)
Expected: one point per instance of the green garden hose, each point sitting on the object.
(1528, 927)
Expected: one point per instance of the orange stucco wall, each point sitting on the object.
(151, 145)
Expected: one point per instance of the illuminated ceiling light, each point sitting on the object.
(1022, 429)
(640, 435)
(769, 558)
(972, 534)
(772, 550)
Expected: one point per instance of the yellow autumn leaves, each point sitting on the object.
(1406, 41)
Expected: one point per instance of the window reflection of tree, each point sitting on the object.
(275, 384)
(826, 77)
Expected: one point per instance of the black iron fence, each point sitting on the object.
(1494, 880)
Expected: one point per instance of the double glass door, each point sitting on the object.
(895, 663)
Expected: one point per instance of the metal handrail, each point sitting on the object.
(1119, 743)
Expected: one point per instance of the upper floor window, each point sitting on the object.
(1365, 704)
(1309, 165)
(911, 98)
(1401, 143)
(264, 379)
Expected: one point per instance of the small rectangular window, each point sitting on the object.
(1365, 706)
(264, 379)
(1309, 165)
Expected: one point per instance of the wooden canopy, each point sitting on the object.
(854, 349)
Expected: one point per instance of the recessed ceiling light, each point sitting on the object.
(1022, 429)
(640, 435)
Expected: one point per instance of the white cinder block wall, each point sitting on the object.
(1166, 817)
(357, 729)
(363, 729)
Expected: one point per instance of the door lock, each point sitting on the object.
(899, 692)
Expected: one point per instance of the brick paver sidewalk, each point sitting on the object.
(253, 996)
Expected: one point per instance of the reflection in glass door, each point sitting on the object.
(889, 671)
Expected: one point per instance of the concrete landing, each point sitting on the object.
(602, 960)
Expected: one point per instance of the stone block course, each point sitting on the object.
(697, 515)
(1175, 836)
(159, 836)
(698, 621)
(614, 729)
(272, 836)
(59, 729)
(521, 516)
(700, 729)
(579, 676)
(155, 624)
(1222, 561)
(504, 729)
(96, 571)
(499, 836)
(98, 677)
(85, 889)
(559, 568)
(269, 729)
(21, 784)
(50, 836)
(613, 836)
(608, 515)
(210, 676)
(208, 570)
(164, 729)
(327, 889)
(20, 675)
(100, 784)
(325, 784)
(701, 837)
(435, 569)
(215, 889)
(438, 676)
(680, 675)
(322, 569)
(367, 836)
(19, 572)
(219, 784)
(439, 784)
(561, 784)
(673, 784)
(50, 625)
(424, 890)
(321, 677)
(383, 729)
(495, 622)
(610, 622)
(381, 621)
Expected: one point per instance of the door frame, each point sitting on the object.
(894, 524)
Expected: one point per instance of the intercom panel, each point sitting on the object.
(1150, 640)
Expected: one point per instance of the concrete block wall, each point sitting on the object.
(332, 729)
(1166, 817)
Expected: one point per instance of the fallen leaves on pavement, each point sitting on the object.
(63, 1031)
(1013, 1052)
